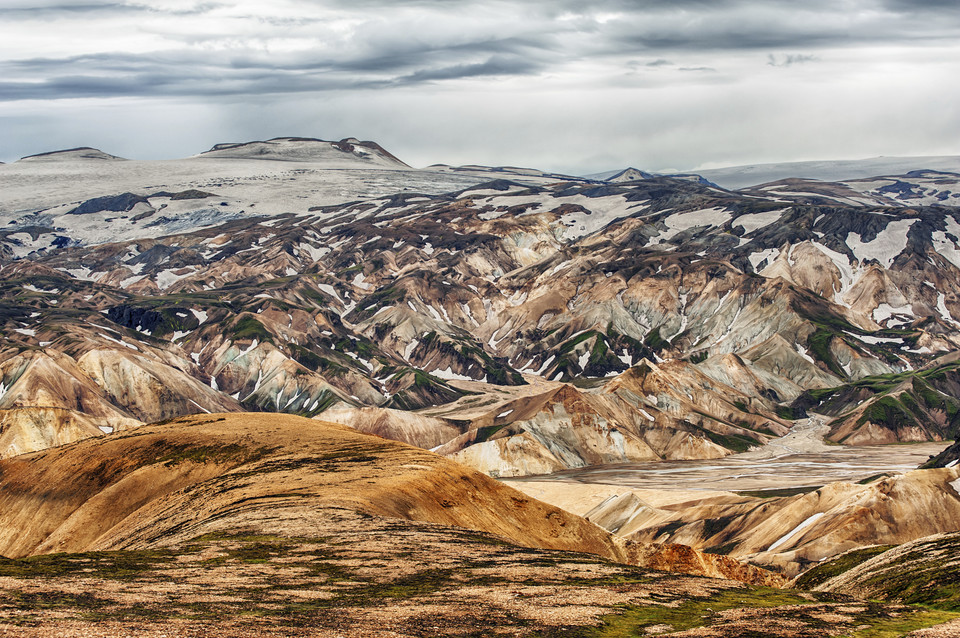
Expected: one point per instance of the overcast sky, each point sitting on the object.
(557, 84)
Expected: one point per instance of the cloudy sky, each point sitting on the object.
(558, 84)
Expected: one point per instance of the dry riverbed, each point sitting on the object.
(799, 459)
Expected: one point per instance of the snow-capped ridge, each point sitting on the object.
(307, 149)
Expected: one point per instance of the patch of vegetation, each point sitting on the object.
(122, 565)
(905, 624)
(248, 327)
(789, 413)
(735, 442)
(826, 570)
(779, 493)
(388, 296)
(654, 341)
(888, 412)
(209, 454)
(819, 343)
(307, 358)
(690, 614)
(486, 432)
(927, 576)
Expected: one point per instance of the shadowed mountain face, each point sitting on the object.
(686, 321)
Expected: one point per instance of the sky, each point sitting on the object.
(562, 85)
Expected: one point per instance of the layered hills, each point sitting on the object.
(793, 533)
(687, 321)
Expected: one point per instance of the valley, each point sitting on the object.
(782, 464)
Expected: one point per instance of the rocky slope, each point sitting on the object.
(255, 290)
(948, 458)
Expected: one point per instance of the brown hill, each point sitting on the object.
(164, 484)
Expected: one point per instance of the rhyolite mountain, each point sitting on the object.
(526, 321)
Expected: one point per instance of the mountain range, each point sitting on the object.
(508, 322)
(658, 318)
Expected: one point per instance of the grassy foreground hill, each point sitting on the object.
(275, 525)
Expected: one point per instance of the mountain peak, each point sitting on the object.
(307, 149)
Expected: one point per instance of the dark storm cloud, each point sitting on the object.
(909, 6)
(10, 13)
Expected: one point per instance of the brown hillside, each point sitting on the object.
(164, 484)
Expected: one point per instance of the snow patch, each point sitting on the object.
(885, 311)
(328, 289)
(942, 309)
(885, 247)
(410, 348)
(33, 288)
(796, 530)
(768, 255)
(955, 484)
(679, 222)
(450, 375)
(756, 221)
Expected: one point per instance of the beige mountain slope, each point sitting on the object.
(408, 427)
(167, 483)
(31, 429)
(651, 412)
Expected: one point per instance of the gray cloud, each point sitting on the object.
(790, 59)
(92, 8)
(405, 42)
